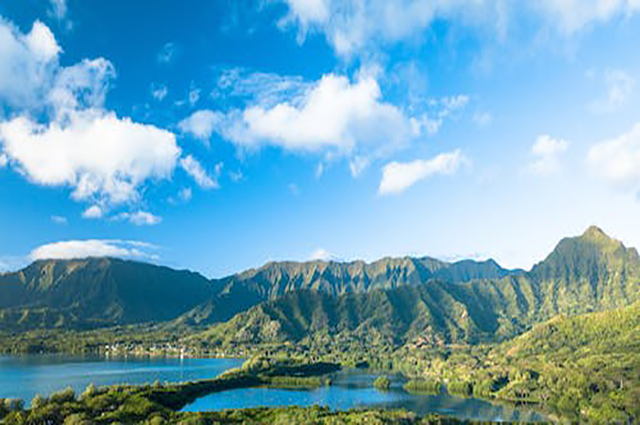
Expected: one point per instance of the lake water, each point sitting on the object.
(24, 377)
(353, 389)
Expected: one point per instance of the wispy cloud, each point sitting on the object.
(617, 160)
(620, 85)
(168, 53)
(399, 176)
(199, 174)
(546, 152)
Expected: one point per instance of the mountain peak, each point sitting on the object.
(594, 232)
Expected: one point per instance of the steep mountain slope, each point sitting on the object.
(429, 313)
(276, 279)
(97, 292)
(586, 273)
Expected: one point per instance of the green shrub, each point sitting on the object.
(38, 401)
(422, 386)
(63, 396)
(382, 383)
(460, 388)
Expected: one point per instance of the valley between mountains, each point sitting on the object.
(564, 335)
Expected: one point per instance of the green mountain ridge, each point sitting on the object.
(587, 273)
(276, 279)
(96, 292)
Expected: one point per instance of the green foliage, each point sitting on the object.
(63, 396)
(382, 383)
(460, 388)
(422, 386)
(38, 401)
(96, 292)
(297, 382)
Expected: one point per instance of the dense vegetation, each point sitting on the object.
(96, 292)
(382, 383)
(99, 292)
(563, 336)
(159, 404)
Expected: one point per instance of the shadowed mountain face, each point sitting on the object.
(276, 279)
(96, 292)
(462, 301)
(587, 273)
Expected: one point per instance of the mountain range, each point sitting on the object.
(403, 300)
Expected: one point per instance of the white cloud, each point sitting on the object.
(92, 212)
(58, 219)
(59, 8)
(321, 254)
(4, 160)
(482, 119)
(74, 142)
(439, 109)
(354, 26)
(201, 124)
(620, 86)
(96, 153)
(570, 16)
(260, 88)
(357, 165)
(81, 86)
(199, 174)
(618, 160)
(139, 218)
(334, 113)
(167, 53)
(91, 248)
(194, 96)
(27, 64)
(546, 151)
(398, 176)
(159, 92)
(186, 194)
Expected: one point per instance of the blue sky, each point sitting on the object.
(220, 135)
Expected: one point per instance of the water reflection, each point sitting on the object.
(352, 389)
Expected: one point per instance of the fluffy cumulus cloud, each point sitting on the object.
(352, 26)
(93, 248)
(28, 61)
(97, 154)
(618, 160)
(546, 152)
(335, 113)
(192, 167)
(399, 176)
(202, 124)
(93, 212)
(105, 159)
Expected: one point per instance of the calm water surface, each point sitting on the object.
(353, 389)
(25, 376)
